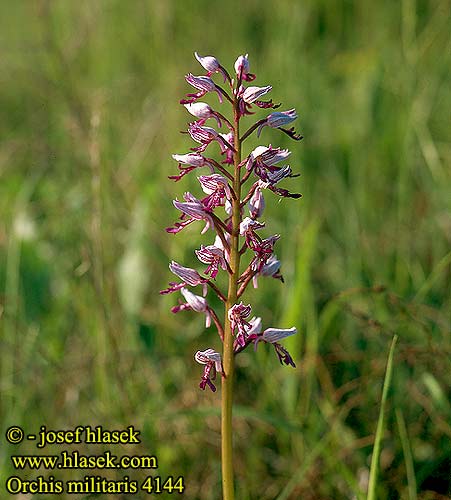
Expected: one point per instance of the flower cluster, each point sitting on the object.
(234, 187)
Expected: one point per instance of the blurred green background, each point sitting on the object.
(89, 118)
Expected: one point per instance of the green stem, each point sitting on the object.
(228, 354)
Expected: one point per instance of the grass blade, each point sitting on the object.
(380, 425)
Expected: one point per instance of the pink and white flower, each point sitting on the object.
(214, 257)
(213, 364)
(237, 315)
(265, 157)
(195, 210)
(217, 188)
(202, 83)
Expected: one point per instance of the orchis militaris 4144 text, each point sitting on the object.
(231, 208)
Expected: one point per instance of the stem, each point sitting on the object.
(228, 354)
(221, 169)
(251, 129)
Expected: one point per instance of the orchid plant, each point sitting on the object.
(232, 209)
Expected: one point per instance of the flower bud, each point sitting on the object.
(199, 109)
(242, 65)
(209, 63)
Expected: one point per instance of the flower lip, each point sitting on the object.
(214, 257)
(210, 358)
(214, 182)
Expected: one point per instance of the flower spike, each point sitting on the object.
(223, 209)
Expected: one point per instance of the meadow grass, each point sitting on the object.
(89, 117)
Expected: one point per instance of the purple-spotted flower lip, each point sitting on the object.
(214, 257)
(283, 355)
(239, 311)
(237, 315)
(213, 183)
(205, 135)
(263, 249)
(217, 188)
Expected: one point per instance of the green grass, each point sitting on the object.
(89, 117)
